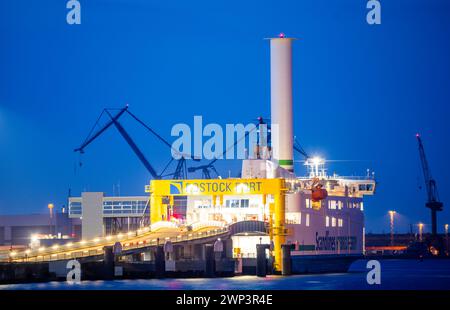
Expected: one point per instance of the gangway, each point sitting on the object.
(131, 242)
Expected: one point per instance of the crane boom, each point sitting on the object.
(98, 133)
(205, 168)
(433, 202)
(299, 148)
(114, 121)
(134, 147)
(150, 129)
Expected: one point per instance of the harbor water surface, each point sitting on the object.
(395, 274)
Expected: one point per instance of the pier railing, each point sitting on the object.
(129, 242)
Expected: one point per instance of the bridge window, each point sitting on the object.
(307, 220)
(327, 221)
(340, 222)
(366, 187)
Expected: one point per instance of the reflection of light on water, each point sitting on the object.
(313, 282)
(195, 280)
(55, 284)
(244, 278)
(175, 285)
(98, 283)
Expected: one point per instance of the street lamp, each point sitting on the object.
(446, 235)
(420, 231)
(391, 217)
(50, 207)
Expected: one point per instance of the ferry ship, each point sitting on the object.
(331, 222)
(323, 214)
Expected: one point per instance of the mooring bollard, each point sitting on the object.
(261, 260)
(210, 264)
(286, 259)
(160, 262)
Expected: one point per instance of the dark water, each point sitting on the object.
(395, 274)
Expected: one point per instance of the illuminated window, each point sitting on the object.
(124, 207)
(232, 203)
(340, 222)
(307, 220)
(333, 222)
(237, 203)
(365, 187)
(308, 203)
(361, 206)
(244, 203)
(327, 221)
(332, 204)
(75, 208)
(340, 205)
(353, 205)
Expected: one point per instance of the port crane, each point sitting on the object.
(180, 170)
(209, 167)
(433, 202)
(297, 147)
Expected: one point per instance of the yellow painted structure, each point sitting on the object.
(163, 191)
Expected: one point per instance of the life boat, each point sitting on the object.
(318, 193)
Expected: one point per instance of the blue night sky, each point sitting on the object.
(361, 92)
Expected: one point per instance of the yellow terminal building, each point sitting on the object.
(225, 200)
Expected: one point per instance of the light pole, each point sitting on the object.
(391, 218)
(420, 231)
(50, 207)
(446, 236)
